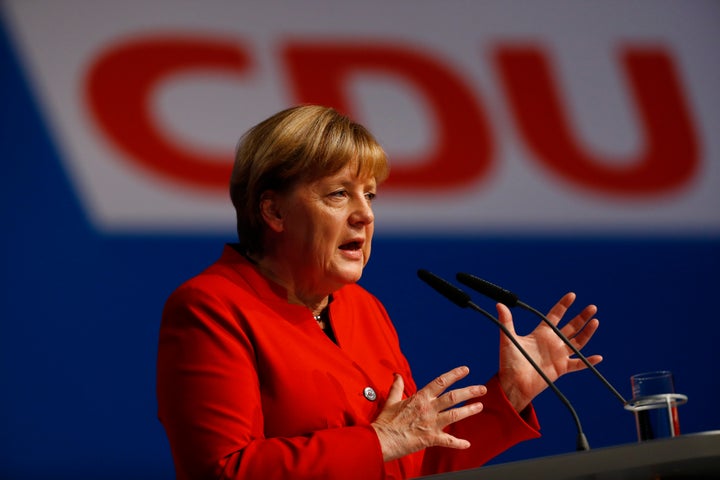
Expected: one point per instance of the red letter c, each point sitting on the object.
(119, 88)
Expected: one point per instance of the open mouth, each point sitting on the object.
(351, 246)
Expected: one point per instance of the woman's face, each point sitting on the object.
(324, 231)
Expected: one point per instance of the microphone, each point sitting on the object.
(511, 300)
(463, 300)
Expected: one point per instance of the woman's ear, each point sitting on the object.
(270, 210)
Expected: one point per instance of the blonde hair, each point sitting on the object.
(299, 144)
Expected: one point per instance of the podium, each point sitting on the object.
(692, 456)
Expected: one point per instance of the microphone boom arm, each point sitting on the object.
(567, 342)
(510, 300)
(462, 299)
(582, 442)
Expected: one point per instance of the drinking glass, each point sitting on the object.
(655, 403)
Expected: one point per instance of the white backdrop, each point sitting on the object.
(426, 77)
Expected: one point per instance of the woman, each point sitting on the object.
(274, 363)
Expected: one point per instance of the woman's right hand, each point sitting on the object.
(406, 426)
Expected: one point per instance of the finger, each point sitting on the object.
(560, 308)
(455, 397)
(505, 318)
(576, 364)
(456, 414)
(441, 383)
(448, 441)
(396, 390)
(579, 322)
(582, 338)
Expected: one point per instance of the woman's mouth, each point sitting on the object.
(354, 245)
(352, 249)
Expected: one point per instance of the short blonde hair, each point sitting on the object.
(299, 144)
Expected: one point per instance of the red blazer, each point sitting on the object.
(249, 387)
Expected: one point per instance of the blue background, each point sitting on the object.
(80, 311)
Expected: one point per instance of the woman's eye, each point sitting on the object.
(370, 196)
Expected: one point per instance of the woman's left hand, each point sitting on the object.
(518, 378)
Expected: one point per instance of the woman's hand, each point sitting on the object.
(519, 380)
(406, 426)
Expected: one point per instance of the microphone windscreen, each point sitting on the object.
(445, 288)
(488, 289)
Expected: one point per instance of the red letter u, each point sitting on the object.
(670, 158)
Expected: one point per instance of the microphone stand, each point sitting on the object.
(582, 442)
(510, 300)
(462, 299)
(567, 342)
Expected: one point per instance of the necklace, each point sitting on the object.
(320, 320)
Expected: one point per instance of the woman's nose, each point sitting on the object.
(363, 213)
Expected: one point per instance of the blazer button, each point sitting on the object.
(370, 394)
